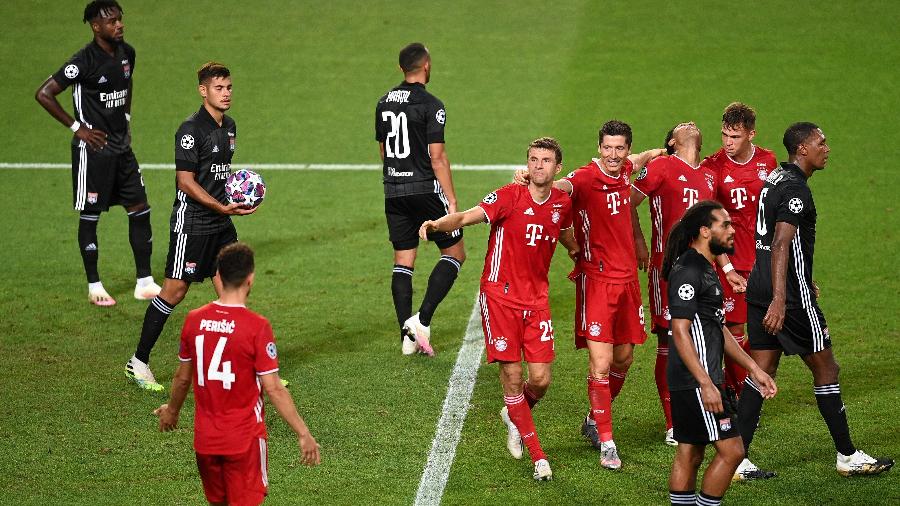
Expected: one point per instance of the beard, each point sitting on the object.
(717, 248)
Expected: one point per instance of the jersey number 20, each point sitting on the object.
(398, 134)
(214, 373)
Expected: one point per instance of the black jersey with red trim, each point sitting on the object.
(407, 120)
(100, 87)
(205, 148)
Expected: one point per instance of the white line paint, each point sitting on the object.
(268, 166)
(456, 405)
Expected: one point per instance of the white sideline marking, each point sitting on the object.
(456, 405)
(269, 166)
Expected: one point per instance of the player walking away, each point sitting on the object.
(105, 171)
(201, 215)
(673, 183)
(702, 411)
(526, 223)
(228, 354)
(741, 168)
(782, 313)
(409, 128)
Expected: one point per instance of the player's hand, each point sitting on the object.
(309, 450)
(737, 282)
(643, 255)
(575, 255)
(520, 177)
(712, 399)
(774, 319)
(238, 209)
(168, 421)
(95, 139)
(766, 384)
(427, 228)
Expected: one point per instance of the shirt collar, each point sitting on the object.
(205, 116)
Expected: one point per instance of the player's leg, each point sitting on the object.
(659, 306)
(512, 379)
(130, 192)
(212, 477)
(718, 475)
(683, 478)
(93, 174)
(246, 474)
(623, 357)
(629, 331)
(600, 357)
(402, 294)
(502, 328)
(734, 373)
(155, 317)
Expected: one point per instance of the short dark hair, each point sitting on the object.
(670, 150)
(797, 134)
(547, 143)
(412, 57)
(737, 115)
(93, 9)
(686, 230)
(234, 264)
(212, 69)
(615, 127)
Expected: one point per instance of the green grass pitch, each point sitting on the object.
(307, 76)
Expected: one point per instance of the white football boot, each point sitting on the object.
(140, 373)
(609, 456)
(747, 471)
(98, 295)
(146, 289)
(513, 438)
(861, 463)
(421, 333)
(670, 438)
(542, 470)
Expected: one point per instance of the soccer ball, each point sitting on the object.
(245, 187)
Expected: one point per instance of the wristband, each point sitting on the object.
(128, 117)
(727, 268)
(75, 126)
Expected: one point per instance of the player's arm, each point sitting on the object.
(381, 150)
(567, 239)
(734, 351)
(784, 235)
(640, 245)
(737, 282)
(709, 393)
(187, 182)
(181, 383)
(46, 96)
(453, 221)
(440, 164)
(284, 404)
(640, 159)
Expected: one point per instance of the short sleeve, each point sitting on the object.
(565, 221)
(380, 131)
(651, 177)
(132, 56)
(795, 202)
(72, 72)
(684, 289)
(578, 179)
(437, 116)
(187, 149)
(497, 204)
(186, 347)
(266, 360)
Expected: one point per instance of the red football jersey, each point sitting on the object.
(672, 186)
(738, 190)
(601, 210)
(523, 238)
(230, 346)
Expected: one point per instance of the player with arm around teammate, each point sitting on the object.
(526, 223)
(105, 171)
(702, 412)
(228, 355)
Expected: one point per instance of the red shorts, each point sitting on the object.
(659, 298)
(509, 331)
(735, 303)
(608, 313)
(238, 479)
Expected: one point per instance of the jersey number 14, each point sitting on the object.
(218, 370)
(398, 136)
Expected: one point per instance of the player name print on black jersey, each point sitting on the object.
(407, 120)
(100, 86)
(204, 148)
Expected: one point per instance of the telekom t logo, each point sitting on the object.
(738, 197)
(533, 233)
(613, 202)
(691, 196)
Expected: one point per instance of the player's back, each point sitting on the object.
(230, 346)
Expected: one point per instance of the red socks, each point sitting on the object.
(530, 398)
(616, 380)
(520, 414)
(601, 409)
(662, 384)
(735, 374)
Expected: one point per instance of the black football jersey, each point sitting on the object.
(407, 120)
(785, 197)
(204, 148)
(695, 294)
(100, 84)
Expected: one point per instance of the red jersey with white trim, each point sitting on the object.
(230, 347)
(523, 238)
(672, 186)
(601, 209)
(738, 190)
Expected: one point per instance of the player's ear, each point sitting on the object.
(202, 89)
(217, 282)
(250, 279)
(751, 135)
(558, 168)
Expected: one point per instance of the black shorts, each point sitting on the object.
(103, 179)
(406, 214)
(696, 426)
(192, 258)
(804, 331)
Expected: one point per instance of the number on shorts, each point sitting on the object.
(547, 327)
(214, 373)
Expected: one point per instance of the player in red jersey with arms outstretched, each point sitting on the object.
(526, 223)
(673, 183)
(228, 353)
